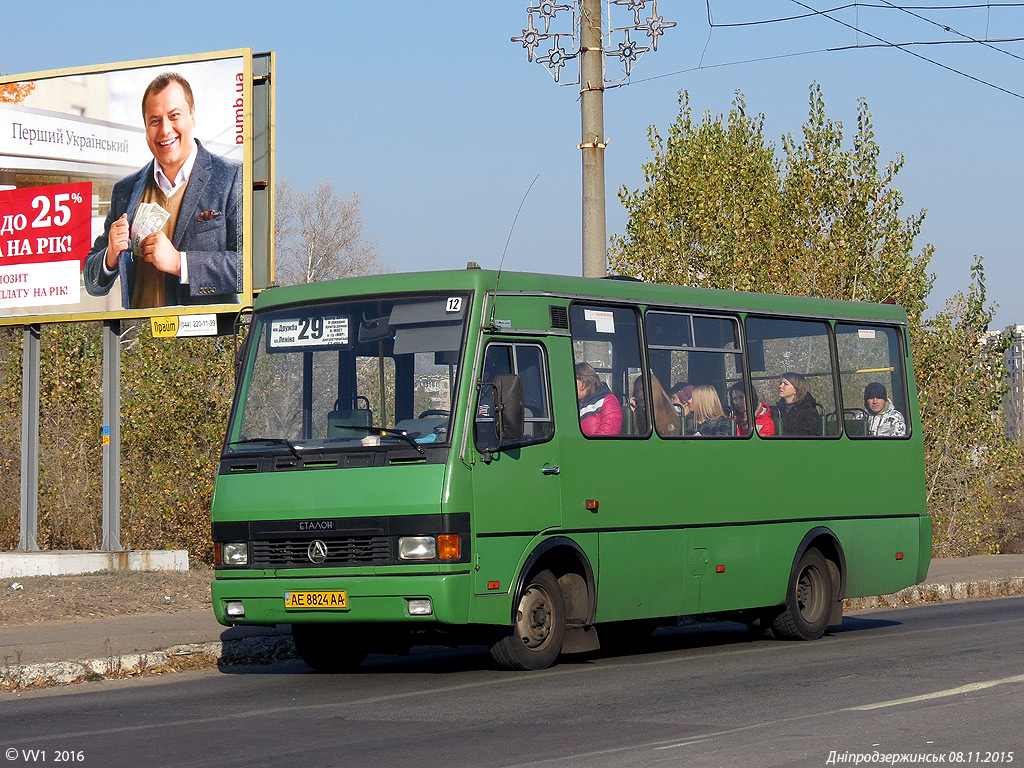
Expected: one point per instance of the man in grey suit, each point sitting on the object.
(195, 257)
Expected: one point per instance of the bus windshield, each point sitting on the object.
(349, 375)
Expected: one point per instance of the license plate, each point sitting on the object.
(333, 600)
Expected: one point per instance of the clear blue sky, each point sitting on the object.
(438, 121)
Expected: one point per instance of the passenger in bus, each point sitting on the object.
(666, 419)
(600, 411)
(681, 396)
(883, 418)
(708, 415)
(638, 405)
(762, 416)
(797, 408)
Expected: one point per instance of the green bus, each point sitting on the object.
(413, 458)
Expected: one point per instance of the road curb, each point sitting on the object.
(257, 649)
(266, 649)
(935, 592)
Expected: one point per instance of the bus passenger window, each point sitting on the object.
(700, 356)
(791, 369)
(873, 381)
(606, 354)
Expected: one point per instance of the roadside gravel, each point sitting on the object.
(108, 593)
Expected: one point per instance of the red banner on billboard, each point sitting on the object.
(45, 224)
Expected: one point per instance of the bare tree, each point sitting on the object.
(318, 235)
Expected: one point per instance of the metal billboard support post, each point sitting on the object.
(29, 439)
(111, 435)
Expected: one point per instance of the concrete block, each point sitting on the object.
(65, 563)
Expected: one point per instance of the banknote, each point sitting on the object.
(149, 218)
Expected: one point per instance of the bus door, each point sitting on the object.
(516, 490)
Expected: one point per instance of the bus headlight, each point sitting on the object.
(235, 553)
(417, 547)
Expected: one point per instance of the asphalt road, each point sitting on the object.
(944, 683)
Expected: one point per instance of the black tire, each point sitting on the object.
(535, 639)
(329, 648)
(809, 600)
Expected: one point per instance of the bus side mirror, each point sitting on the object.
(508, 407)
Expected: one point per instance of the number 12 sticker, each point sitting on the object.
(454, 304)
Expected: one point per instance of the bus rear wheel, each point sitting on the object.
(809, 600)
(328, 648)
(535, 640)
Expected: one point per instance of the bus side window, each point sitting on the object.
(690, 350)
(529, 362)
(606, 352)
(796, 376)
(873, 381)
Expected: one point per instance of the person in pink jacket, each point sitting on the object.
(600, 410)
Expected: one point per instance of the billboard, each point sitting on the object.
(126, 190)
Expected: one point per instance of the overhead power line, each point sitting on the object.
(887, 6)
(945, 27)
(880, 42)
(910, 52)
(928, 42)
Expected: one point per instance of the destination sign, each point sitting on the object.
(309, 331)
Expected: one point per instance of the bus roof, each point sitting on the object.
(527, 283)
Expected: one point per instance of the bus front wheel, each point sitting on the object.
(809, 600)
(535, 639)
(328, 648)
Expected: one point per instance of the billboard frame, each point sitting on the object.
(257, 258)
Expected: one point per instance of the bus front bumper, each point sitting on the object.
(366, 600)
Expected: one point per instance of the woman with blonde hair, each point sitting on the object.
(708, 416)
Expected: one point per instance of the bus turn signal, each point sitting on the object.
(448, 546)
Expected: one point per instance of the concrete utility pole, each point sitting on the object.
(591, 43)
(592, 143)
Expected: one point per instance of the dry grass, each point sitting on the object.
(109, 593)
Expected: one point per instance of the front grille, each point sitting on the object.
(347, 550)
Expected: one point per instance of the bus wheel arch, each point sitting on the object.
(814, 592)
(534, 641)
(559, 565)
(825, 541)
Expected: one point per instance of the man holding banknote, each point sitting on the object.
(172, 230)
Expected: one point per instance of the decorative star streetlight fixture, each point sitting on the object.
(587, 41)
(558, 48)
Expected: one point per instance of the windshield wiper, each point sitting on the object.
(389, 432)
(292, 448)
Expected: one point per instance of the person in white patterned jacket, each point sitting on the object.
(883, 418)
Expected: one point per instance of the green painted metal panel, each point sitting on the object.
(355, 491)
